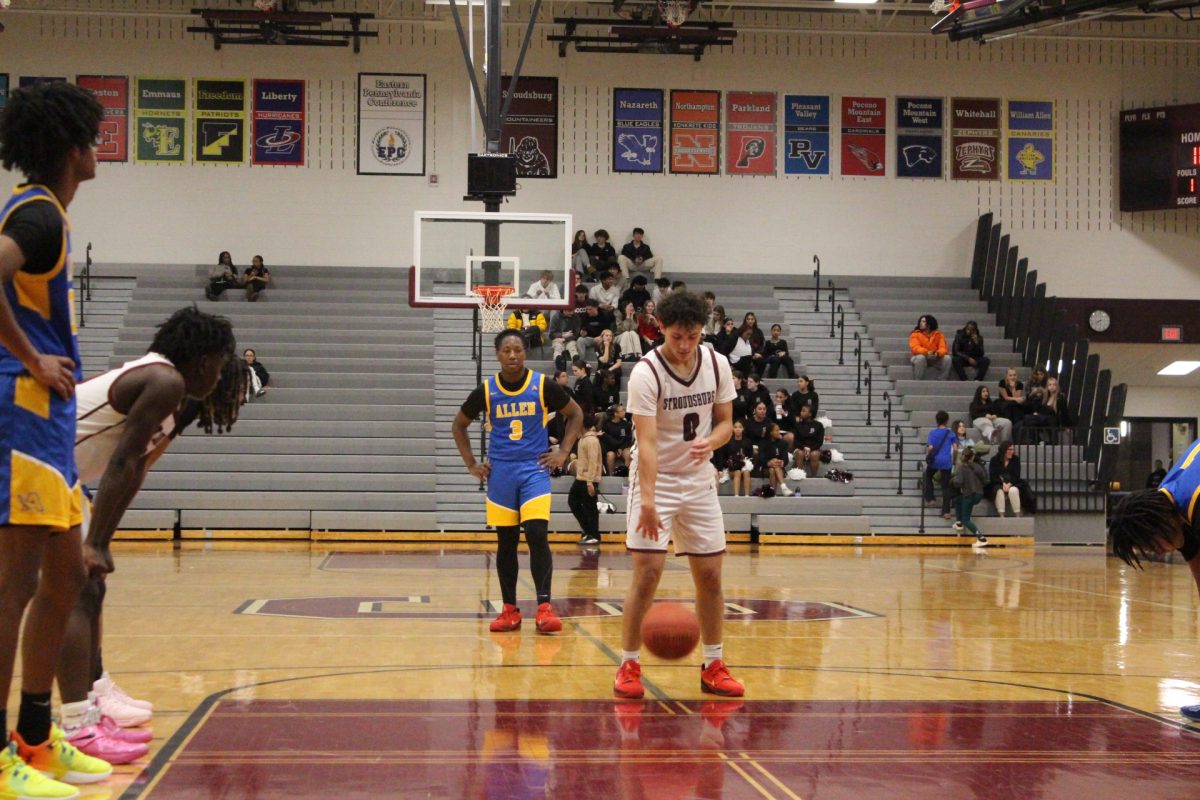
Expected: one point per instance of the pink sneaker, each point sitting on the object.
(127, 716)
(132, 735)
(107, 684)
(90, 739)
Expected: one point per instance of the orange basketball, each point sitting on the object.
(670, 630)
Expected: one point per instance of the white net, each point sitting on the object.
(493, 300)
(674, 12)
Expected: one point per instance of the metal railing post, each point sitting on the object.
(817, 287)
(900, 463)
(841, 336)
(869, 384)
(924, 479)
(832, 308)
(887, 415)
(858, 362)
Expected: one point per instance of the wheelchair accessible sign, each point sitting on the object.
(1112, 435)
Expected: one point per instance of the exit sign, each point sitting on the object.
(1172, 333)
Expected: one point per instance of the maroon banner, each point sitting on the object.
(113, 93)
(695, 132)
(864, 136)
(750, 125)
(531, 129)
(975, 138)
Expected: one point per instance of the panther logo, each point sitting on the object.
(918, 154)
(531, 161)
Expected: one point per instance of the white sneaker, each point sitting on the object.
(724, 476)
(118, 708)
(146, 704)
(958, 526)
(785, 490)
(980, 542)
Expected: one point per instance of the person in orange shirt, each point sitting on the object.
(927, 347)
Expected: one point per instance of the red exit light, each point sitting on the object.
(1172, 333)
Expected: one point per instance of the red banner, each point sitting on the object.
(864, 136)
(750, 124)
(695, 132)
(113, 93)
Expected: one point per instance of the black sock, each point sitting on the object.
(541, 562)
(506, 562)
(33, 721)
(4, 724)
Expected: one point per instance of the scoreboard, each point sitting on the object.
(1160, 158)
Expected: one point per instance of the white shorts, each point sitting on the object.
(688, 509)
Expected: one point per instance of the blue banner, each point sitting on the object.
(34, 80)
(805, 134)
(920, 137)
(1031, 140)
(637, 130)
(278, 123)
(3, 89)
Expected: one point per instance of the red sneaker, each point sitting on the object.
(629, 681)
(547, 621)
(509, 620)
(715, 679)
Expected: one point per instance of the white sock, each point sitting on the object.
(73, 715)
(631, 655)
(712, 652)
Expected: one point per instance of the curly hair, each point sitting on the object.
(42, 124)
(190, 334)
(1137, 521)
(682, 308)
(220, 409)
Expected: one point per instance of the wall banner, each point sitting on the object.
(220, 121)
(637, 130)
(805, 134)
(975, 138)
(391, 124)
(751, 131)
(113, 93)
(864, 136)
(34, 80)
(160, 120)
(278, 126)
(920, 137)
(1031, 140)
(695, 132)
(531, 129)
(3, 89)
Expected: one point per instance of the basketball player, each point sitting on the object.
(126, 419)
(47, 132)
(518, 403)
(1151, 522)
(681, 397)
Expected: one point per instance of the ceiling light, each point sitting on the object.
(1180, 368)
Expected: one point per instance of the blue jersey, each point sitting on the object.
(518, 419)
(1182, 483)
(44, 303)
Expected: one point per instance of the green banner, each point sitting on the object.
(160, 120)
(220, 121)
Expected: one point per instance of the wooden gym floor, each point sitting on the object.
(364, 672)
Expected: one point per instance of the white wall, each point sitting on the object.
(325, 214)
(1158, 401)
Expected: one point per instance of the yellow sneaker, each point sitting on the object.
(20, 782)
(58, 759)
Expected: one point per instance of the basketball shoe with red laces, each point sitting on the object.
(715, 679)
(547, 620)
(629, 681)
(509, 620)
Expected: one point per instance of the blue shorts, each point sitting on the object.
(38, 481)
(517, 491)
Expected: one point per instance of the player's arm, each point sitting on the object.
(462, 420)
(53, 372)
(722, 432)
(645, 428)
(151, 395)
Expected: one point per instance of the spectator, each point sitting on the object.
(736, 459)
(757, 423)
(805, 395)
(741, 401)
(985, 417)
(750, 321)
(608, 355)
(969, 478)
(221, 277)
(678, 286)
(1005, 482)
(662, 288)
(757, 342)
(1012, 397)
(1156, 477)
(582, 497)
(939, 462)
(808, 439)
(617, 437)
(726, 339)
(773, 460)
(581, 255)
(581, 298)
(636, 255)
(256, 278)
(775, 353)
(968, 352)
(259, 377)
(606, 293)
(590, 326)
(1035, 388)
(636, 295)
(649, 330)
(607, 388)
(1049, 416)
(604, 255)
(564, 337)
(760, 394)
(584, 389)
(628, 340)
(710, 300)
(927, 349)
(714, 326)
(557, 427)
(544, 288)
(787, 422)
(742, 354)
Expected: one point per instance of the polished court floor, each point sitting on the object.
(359, 672)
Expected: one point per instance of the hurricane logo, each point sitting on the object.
(637, 149)
(531, 160)
(391, 146)
(866, 158)
(280, 142)
(918, 154)
(753, 148)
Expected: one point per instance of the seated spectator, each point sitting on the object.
(607, 385)
(221, 277)
(608, 356)
(616, 437)
(757, 342)
(965, 439)
(1005, 482)
(531, 324)
(759, 394)
(927, 349)
(742, 354)
(649, 328)
(736, 459)
(773, 460)
(628, 340)
(636, 255)
(808, 439)
(714, 326)
(256, 278)
(787, 422)
(544, 288)
(757, 423)
(805, 395)
(604, 255)
(741, 400)
(710, 301)
(940, 453)
(581, 256)
(636, 295)
(726, 338)
(563, 334)
(1029, 411)
(563, 379)
(1050, 416)
(662, 288)
(584, 388)
(590, 326)
(606, 293)
(986, 417)
(968, 352)
(259, 377)
(581, 298)
(775, 354)
(1012, 397)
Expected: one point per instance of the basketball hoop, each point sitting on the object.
(492, 302)
(674, 12)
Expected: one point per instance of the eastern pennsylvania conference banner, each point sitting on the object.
(637, 130)
(160, 120)
(391, 124)
(806, 134)
(530, 130)
(920, 137)
(975, 138)
(864, 136)
(1031, 140)
(750, 130)
(113, 93)
(220, 121)
(695, 132)
(278, 123)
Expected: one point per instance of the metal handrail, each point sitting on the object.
(887, 415)
(922, 480)
(841, 335)
(817, 286)
(858, 361)
(869, 382)
(900, 463)
(832, 308)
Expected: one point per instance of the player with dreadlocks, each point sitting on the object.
(127, 418)
(1152, 522)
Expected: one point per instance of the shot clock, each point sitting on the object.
(1160, 158)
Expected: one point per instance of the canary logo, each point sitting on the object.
(1030, 158)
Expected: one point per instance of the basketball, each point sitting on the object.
(670, 630)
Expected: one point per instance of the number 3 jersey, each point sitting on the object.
(682, 404)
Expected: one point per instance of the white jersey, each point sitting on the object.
(99, 426)
(682, 405)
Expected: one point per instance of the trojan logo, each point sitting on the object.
(866, 158)
(531, 161)
(280, 142)
(918, 154)
(697, 151)
(803, 149)
(217, 137)
(637, 149)
(753, 148)
(391, 146)
(1030, 158)
(975, 157)
(164, 139)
